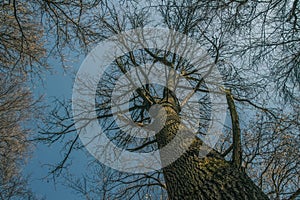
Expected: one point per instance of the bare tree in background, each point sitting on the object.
(20, 54)
(26, 41)
(16, 108)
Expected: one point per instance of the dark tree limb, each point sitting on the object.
(236, 131)
(295, 195)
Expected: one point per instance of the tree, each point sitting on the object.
(20, 51)
(231, 34)
(26, 41)
(15, 109)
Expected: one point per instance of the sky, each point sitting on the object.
(56, 84)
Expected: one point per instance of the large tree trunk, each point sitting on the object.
(193, 177)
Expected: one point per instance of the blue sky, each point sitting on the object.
(56, 84)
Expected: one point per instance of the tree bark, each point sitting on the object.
(191, 177)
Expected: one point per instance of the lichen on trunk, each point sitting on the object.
(193, 177)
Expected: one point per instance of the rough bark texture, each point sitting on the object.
(210, 177)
